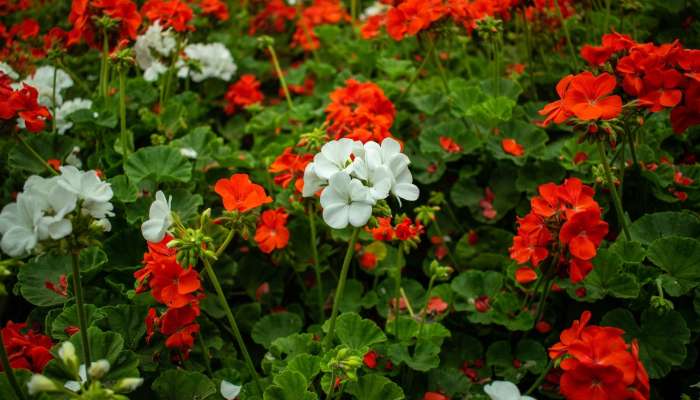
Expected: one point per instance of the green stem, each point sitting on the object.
(36, 155)
(331, 385)
(54, 127)
(280, 76)
(543, 300)
(80, 305)
(205, 354)
(418, 71)
(225, 243)
(104, 67)
(427, 301)
(567, 34)
(540, 378)
(9, 372)
(613, 191)
(73, 77)
(607, 16)
(353, 11)
(122, 114)
(232, 322)
(397, 292)
(317, 267)
(341, 287)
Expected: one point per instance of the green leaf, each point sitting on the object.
(178, 384)
(425, 355)
(662, 338)
(127, 320)
(429, 103)
(124, 190)
(658, 225)
(292, 345)
(306, 364)
(608, 278)
(395, 68)
(273, 326)
(473, 283)
(356, 332)
(530, 353)
(375, 387)
(19, 158)
(680, 258)
(289, 385)
(23, 376)
(186, 204)
(630, 252)
(69, 318)
(160, 163)
(42, 271)
(429, 139)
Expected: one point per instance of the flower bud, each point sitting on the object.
(98, 368)
(39, 383)
(67, 354)
(127, 385)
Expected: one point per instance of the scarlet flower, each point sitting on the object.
(408, 230)
(412, 16)
(320, 12)
(482, 304)
(289, 168)
(273, 17)
(449, 145)
(555, 111)
(583, 233)
(525, 275)
(436, 305)
(26, 348)
(170, 13)
(588, 97)
(580, 157)
(240, 194)
(372, 26)
(512, 147)
(217, 8)
(368, 261)
(384, 231)
(23, 103)
(272, 232)
(244, 92)
(435, 396)
(82, 17)
(370, 359)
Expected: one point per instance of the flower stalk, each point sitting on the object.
(80, 304)
(613, 192)
(341, 287)
(104, 66)
(36, 155)
(317, 266)
(122, 114)
(280, 76)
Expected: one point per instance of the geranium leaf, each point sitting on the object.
(38, 277)
(654, 226)
(289, 385)
(273, 326)
(375, 387)
(607, 278)
(356, 332)
(679, 258)
(178, 384)
(159, 163)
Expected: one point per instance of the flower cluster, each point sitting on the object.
(22, 103)
(203, 61)
(354, 176)
(273, 17)
(239, 194)
(84, 15)
(26, 348)
(406, 229)
(563, 217)
(170, 13)
(44, 210)
(151, 48)
(289, 167)
(243, 93)
(272, 233)
(360, 111)
(598, 363)
(178, 288)
(320, 12)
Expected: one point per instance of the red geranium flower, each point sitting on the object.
(588, 97)
(583, 232)
(272, 231)
(384, 231)
(436, 305)
(244, 92)
(82, 17)
(449, 145)
(512, 147)
(290, 167)
(217, 8)
(170, 13)
(240, 194)
(26, 348)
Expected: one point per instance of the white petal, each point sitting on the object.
(153, 230)
(312, 182)
(18, 241)
(359, 214)
(406, 191)
(502, 390)
(228, 390)
(60, 229)
(336, 215)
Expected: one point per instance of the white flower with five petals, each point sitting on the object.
(159, 219)
(346, 200)
(94, 193)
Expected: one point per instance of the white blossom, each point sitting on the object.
(159, 219)
(334, 157)
(68, 108)
(188, 152)
(150, 47)
(376, 8)
(19, 225)
(39, 383)
(94, 193)
(213, 60)
(503, 390)
(43, 78)
(228, 390)
(346, 200)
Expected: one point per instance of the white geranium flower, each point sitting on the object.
(68, 108)
(39, 383)
(159, 219)
(95, 193)
(312, 182)
(334, 157)
(346, 200)
(42, 80)
(214, 60)
(503, 390)
(402, 187)
(7, 70)
(19, 225)
(150, 46)
(228, 390)
(188, 152)
(379, 180)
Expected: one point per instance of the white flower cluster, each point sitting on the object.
(213, 60)
(151, 47)
(42, 209)
(504, 390)
(42, 80)
(354, 176)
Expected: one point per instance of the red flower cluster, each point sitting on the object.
(178, 288)
(83, 13)
(563, 217)
(170, 13)
(22, 103)
(8, 7)
(321, 12)
(240, 194)
(597, 363)
(404, 230)
(584, 96)
(216, 8)
(272, 232)
(273, 17)
(545, 12)
(290, 167)
(360, 111)
(26, 348)
(449, 145)
(244, 92)
(18, 46)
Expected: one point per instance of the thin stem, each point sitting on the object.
(353, 11)
(607, 16)
(567, 34)
(232, 322)
(331, 385)
(80, 305)
(205, 353)
(53, 102)
(540, 378)
(397, 292)
(225, 243)
(543, 300)
(341, 287)
(9, 372)
(36, 155)
(122, 114)
(418, 71)
(73, 77)
(280, 76)
(613, 191)
(104, 69)
(424, 311)
(408, 303)
(317, 266)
